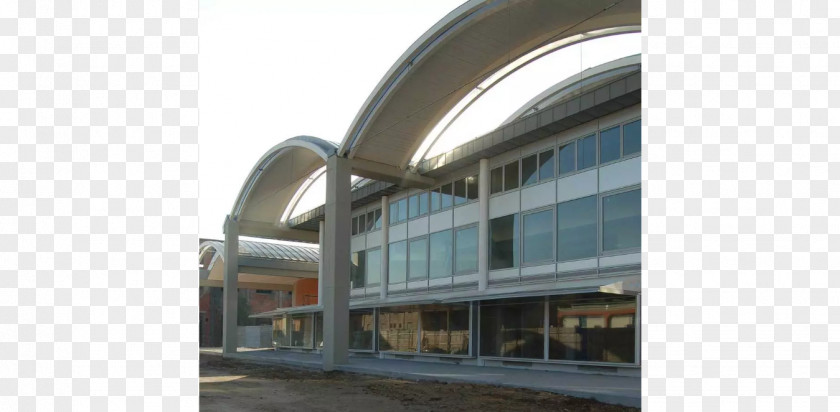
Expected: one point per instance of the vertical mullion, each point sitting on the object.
(546, 315)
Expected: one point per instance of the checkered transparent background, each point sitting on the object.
(742, 164)
(98, 205)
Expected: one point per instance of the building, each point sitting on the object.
(521, 247)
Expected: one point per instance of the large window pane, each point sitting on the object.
(566, 158)
(586, 152)
(435, 200)
(547, 164)
(466, 250)
(537, 237)
(445, 329)
(504, 242)
(633, 137)
(361, 329)
(440, 254)
(413, 206)
(529, 170)
(403, 210)
(378, 216)
(460, 191)
(513, 328)
(374, 267)
(496, 176)
(446, 196)
(424, 203)
(472, 187)
(512, 175)
(280, 334)
(623, 221)
(610, 144)
(398, 329)
(301, 330)
(588, 328)
(393, 214)
(396, 262)
(577, 229)
(417, 259)
(369, 222)
(354, 226)
(357, 270)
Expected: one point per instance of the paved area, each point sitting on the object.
(610, 389)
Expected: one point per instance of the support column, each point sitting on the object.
(483, 223)
(230, 294)
(383, 251)
(335, 259)
(320, 263)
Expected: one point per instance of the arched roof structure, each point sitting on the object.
(261, 265)
(274, 185)
(456, 55)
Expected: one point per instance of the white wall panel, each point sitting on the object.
(617, 175)
(577, 185)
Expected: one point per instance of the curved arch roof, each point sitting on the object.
(264, 250)
(457, 54)
(272, 184)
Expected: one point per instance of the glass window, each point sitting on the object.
(566, 158)
(354, 226)
(417, 259)
(357, 270)
(633, 137)
(588, 328)
(369, 223)
(537, 236)
(577, 229)
(378, 216)
(504, 242)
(440, 254)
(424, 203)
(446, 196)
(413, 206)
(496, 180)
(610, 144)
(472, 187)
(529, 170)
(301, 330)
(279, 333)
(398, 328)
(374, 267)
(547, 164)
(396, 262)
(460, 191)
(445, 329)
(622, 217)
(586, 152)
(319, 330)
(512, 175)
(435, 200)
(393, 216)
(466, 250)
(402, 210)
(361, 329)
(513, 328)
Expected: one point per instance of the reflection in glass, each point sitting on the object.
(610, 144)
(279, 333)
(547, 164)
(354, 226)
(396, 262)
(435, 200)
(373, 264)
(592, 328)
(512, 175)
(445, 329)
(496, 176)
(472, 187)
(504, 242)
(357, 269)
(633, 137)
(301, 330)
(361, 329)
(378, 216)
(446, 196)
(417, 259)
(622, 220)
(529, 170)
(460, 191)
(513, 328)
(403, 210)
(398, 329)
(424, 203)
(537, 237)
(392, 213)
(577, 229)
(369, 223)
(566, 158)
(466, 250)
(319, 330)
(586, 152)
(413, 206)
(440, 254)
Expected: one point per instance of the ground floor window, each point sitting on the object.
(301, 330)
(398, 328)
(445, 329)
(513, 328)
(278, 332)
(597, 329)
(361, 329)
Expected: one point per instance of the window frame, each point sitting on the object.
(601, 196)
(455, 248)
(408, 277)
(522, 215)
(452, 254)
(516, 263)
(367, 254)
(597, 229)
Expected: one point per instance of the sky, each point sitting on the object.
(274, 69)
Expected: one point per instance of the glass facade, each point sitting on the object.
(396, 262)
(512, 175)
(278, 332)
(566, 158)
(610, 144)
(472, 187)
(302, 328)
(398, 328)
(435, 200)
(504, 242)
(446, 196)
(577, 229)
(361, 329)
(417, 259)
(466, 250)
(622, 221)
(357, 270)
(445, 329)
(586, 152)
(413, 206)
(496, 180)
(513, 328)
(373, 264)
(632, 137)
(547, 164)
(440, 254)
(596, 329)
(538, 237)
(424, 203)
(529, 170)
(460, 191)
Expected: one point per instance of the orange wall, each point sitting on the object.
(305, 292)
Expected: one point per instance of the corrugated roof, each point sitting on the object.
(265, 250)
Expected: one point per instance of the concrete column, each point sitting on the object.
(230, 294)
(320, 262)
(383, 254)
(335, 259)
(483, 223)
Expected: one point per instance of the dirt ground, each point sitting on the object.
(229, 385)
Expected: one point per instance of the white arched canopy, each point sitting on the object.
(457, 54)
